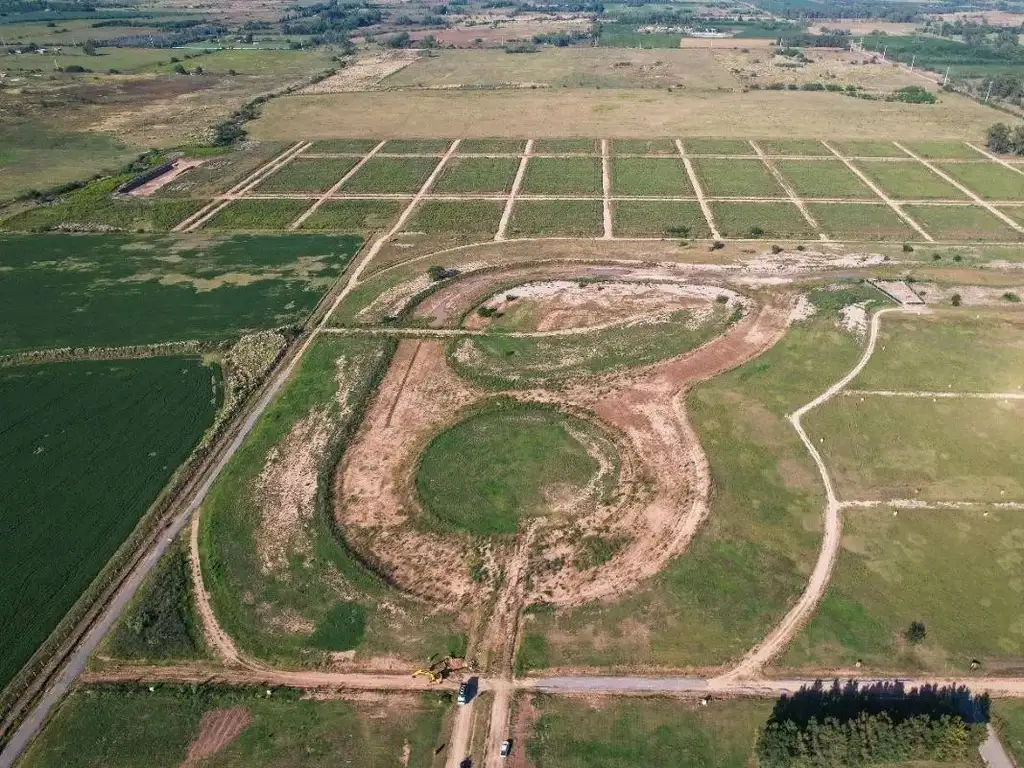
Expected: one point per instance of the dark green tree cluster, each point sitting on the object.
(1004, 140)
(850, 725)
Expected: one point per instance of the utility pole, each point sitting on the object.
(989, 92)
(883, 52)
(945, 78)
(912, 60)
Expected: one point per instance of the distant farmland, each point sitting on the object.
(110, 290)
(86, 447)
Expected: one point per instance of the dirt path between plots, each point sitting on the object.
(218, 640)
(217, 729)
(755, 659)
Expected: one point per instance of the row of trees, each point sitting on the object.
(853, 725)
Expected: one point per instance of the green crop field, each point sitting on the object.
(572, 733)
(961, 222)
(562, 176)
(644, 177)
(758, 220)
(478, 217)
(303, 608)
(891, 573)
(509, 456)
(361, 216)
(258, 215)
(658, 219)
(918, 448)
(491, 146)
(979, 350)
(866, 148)
(644, 147)
(949, 150)
(823, 178)
(861, 222)
(93, 207)
(751, 557)
(416, 147)
(568, 218)
(736, 178)
(909, 180)
(465, 175)
(307, 175)
(566, 146)
(129, 727)
(391, 175)
(343, 146)
(989, 181)
(87, 447)
(794, 147)
(718, 147)
(107, 290)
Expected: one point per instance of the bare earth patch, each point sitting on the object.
(217, 729)
(177, 169)
(364, 73)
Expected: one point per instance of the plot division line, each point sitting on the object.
(606, 187)
(506, 215)
(777, 174)
(698, 191)
(897, 209)
(333, 190)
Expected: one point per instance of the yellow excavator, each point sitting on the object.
(438, 670)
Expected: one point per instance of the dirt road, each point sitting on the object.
(462, 732)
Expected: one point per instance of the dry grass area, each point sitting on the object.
(866, 27)
(726, 43)
(620, 113)
(827, 66)
(364, 73)
(495, 31)
(572, 67)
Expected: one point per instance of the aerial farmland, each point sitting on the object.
(543, 386)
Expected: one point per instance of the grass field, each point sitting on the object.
(646, 177)
(510, 457)
(93, 209)
(477, 217)
(948, 350)
(466, 175)
(736, 178)
(860, 222)
(624, 733)
(106, 290)
(917, 448)
(391, 175)
(282, 584)
(87, 447)
(909, 181)
(1009, 716)
(961, 222)
(644, 147)
(251, 215)
(568, 218)
(312, 175)
(567, 146)
(344, 146)
(823, 178)
(718, 147)
(989, 181)
(758, 220)
(562, 176)
(894, 570)
(436, 147)
(488, 146)
(943, 149)
(868, 148)
(751, 557)
(356, 216)
(658, 219)
(128, 727)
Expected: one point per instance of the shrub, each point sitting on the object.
(913, 94)
(436, 273)
(908, 248)
(776, 249)
(717, 245)
(957, 300)
(756, 231)
(916, 633)
(1011, 297)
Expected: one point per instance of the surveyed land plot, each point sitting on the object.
(918, 448)
(888, 576)
(867, 148)
(562, 176)
(391, 175)
(491, 146)
(651, 218)
(307, 175)
(87, 447)
(824, 178)
(643, 177)
(943, 149)
(909, 181)
(860, 222)
(479, 217)
(803, 147)
(257, 215)
(989, 181)
(114, 290)
(760, 220)
(468, 175)
(566, 218)
(736, 178)
(961, 222)
(355, 216)
(718, 147)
